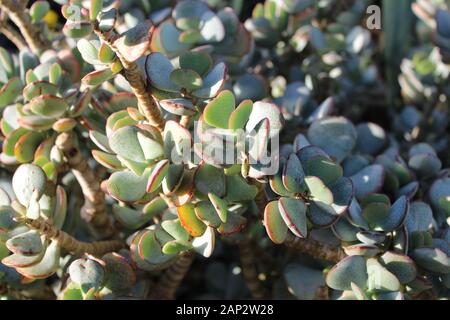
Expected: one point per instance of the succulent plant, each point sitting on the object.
(139, 135)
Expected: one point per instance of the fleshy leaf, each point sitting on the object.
(27, 179)
(275, 226)
(217, 112)
(350, 269)
(189, 220)
(293, 212)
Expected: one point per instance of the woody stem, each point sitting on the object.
(147, 104)
(315, 248)
(71, 244)
(31, 33)
(172, 277)
(94, 208)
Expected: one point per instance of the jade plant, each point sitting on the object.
(198, 149)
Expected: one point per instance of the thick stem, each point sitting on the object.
(185, 121)
(147, 104)
(94, 208)
(9, 32)
(247, 256)
(31, 33)
(315, 248)
(171, 279)
(71, 244)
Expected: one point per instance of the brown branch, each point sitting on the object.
(171, 279)
(315, 248)
(32, 34)
(69, 243)
(94, 208)
(247, 256)
(9, 32)
(147, 104)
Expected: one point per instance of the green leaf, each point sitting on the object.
(322, 167)
(217, 113)
(361, 249)
(78, 29)
(239, 117)
(155, 207)
(177, 141)
(402, 266)
(190, 221)
(158, 69)
(275, 226)
(186, 78)
(239, 190)
(379, 278)
(235, 223)
(213, 82)
(125, 142)
(318, 190)
(190, 37)
(376, 213)
(264, 110)
(38, 88)
(107, 19)
(11, 140)
(293, 212)
(158, 173)
(27, 179)
(49, 106)
(28, 243)
(107, 160)
(293, 175)
(130, 218)
(206, 212)
(38, 10)
(149, 249)
(204, 244)
(120, 274)
(89, 50)
(180, 106)
(302, 281)
(96, 7)
(26, 146)
(200, 62)
(219, 205)
(337, 129)
(106, 54)
(10, 91)
(175, 247)
(87, 273)
(150, 144)
(350, 269)
(4, 198)
(211, 27)
(21, 261)
(97, 77)
(210, 179)
(432, 259)
(126, 186)
(46, 267)
(175, 229)
(134, 43)
(173, 178)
